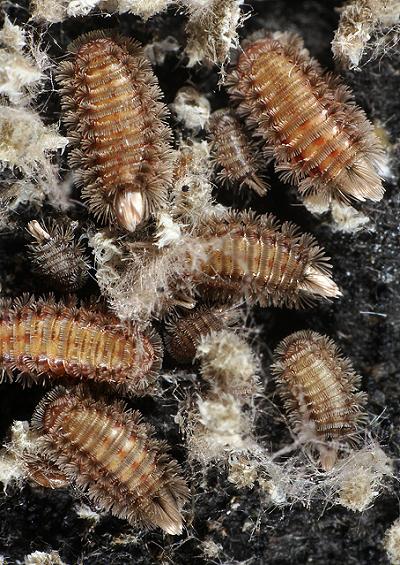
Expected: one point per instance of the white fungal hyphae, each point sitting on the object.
(216, 427)
(319, 388)
(373, 24)
(27, 144)
(191, 108)
(229, 364)
(212, 30)
(392, 543)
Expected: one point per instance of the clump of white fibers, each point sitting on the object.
(43, 558)
(392, 543)
(22, 64)
(216, 427)
(145, 279)
(366, 23)
(13, 468)
(157, 51)
(347, 219)
(26, 143)
(54, 11)
(229, 364)
(168, 231)
(360, 477)
(353, 483)
(191, 108)
(191, 197)
(212, 29)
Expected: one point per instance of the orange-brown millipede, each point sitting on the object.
(262, 260)
(320, 140)
(107, 452)
(112, 109)
(61, 340)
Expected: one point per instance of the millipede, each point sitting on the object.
(56, 255)
(60, 339)
(256, 257)
(320, 392)
(108, 453)
(321, 141)
(113, 113)
(184, 331)
(235, 154)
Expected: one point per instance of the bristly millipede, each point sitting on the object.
(183, 332)
(113, 113)
(236, 155)
(62, 340)
(57, 256)
(108, 453)
(319, 138)
(262, 260)
(319, 387)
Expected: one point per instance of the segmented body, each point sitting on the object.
(320, 140)
(108, 453)
(319, 388)
(184, 332)
(256, 257)
(237, 157)
(57, 257)
(61, 340)
(113, 113)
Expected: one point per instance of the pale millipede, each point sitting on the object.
(237, 158)
(256, 257)
(57, 257)
(320, 391)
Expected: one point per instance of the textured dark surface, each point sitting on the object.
(365, 323)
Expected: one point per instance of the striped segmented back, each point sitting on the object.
(267, 262)
(109, 454)
(57, 257)
(62, 340)
(112, 108)
(319, 387)
(236, 155)
(320, 139)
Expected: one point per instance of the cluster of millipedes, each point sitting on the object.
(303, 119)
